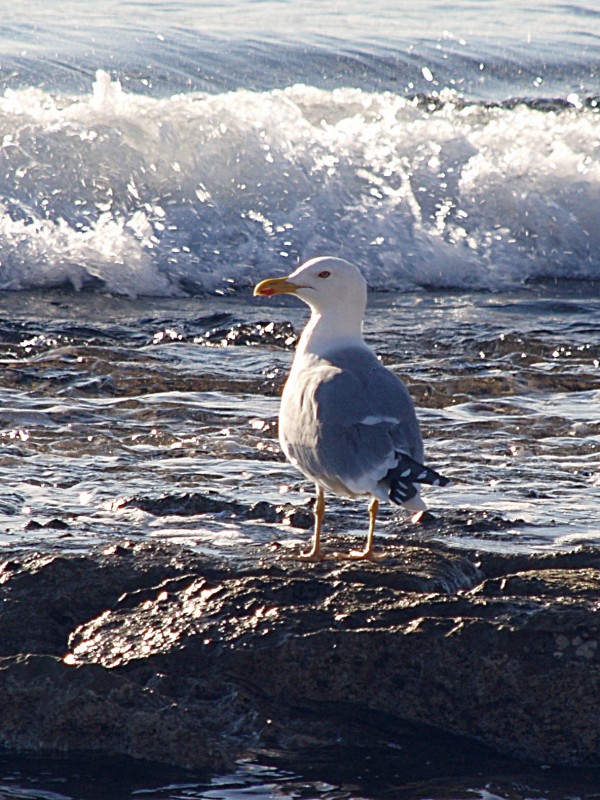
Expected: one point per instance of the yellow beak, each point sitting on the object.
(275, 286)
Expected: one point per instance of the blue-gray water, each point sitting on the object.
(158, 158)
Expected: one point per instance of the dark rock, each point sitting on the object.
(182, 505)
(262, 510)
(48, 705)
(57, 524)
(563, 584)
(165, 654)
(191, 504)
(296, 516)
(33, 525)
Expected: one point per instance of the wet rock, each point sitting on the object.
(564, 584)
(296, 516)
(56, 524)
(182, 505)
(165, 654)
(475, 522)
(47, 705)
(33, 525)
(192, 504)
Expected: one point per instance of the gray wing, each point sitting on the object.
(346, 422)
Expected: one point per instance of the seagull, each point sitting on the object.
(346, 421)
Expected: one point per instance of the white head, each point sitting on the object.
(325, 284)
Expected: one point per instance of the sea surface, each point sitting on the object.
(159, 158)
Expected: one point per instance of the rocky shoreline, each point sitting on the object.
(164, 654)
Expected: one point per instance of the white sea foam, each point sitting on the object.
(199, 191)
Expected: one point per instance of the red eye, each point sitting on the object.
(324, 274)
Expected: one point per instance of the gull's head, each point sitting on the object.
(323, 283)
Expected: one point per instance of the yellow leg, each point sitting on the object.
(314, 554)
(368, 551)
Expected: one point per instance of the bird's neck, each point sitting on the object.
(335, 330)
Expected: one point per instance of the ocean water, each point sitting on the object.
(158, 158)
(162, 148)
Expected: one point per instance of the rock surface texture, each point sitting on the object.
(161, 653)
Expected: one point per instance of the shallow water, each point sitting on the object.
(104, 399)
(407, 776)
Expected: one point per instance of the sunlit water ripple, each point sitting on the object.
(179, 396)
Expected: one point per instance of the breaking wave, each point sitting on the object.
(195, 192)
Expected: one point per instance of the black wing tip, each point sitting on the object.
(406, 474)
(401, 491)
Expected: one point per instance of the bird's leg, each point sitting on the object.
(368, 551)
(314, 554)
